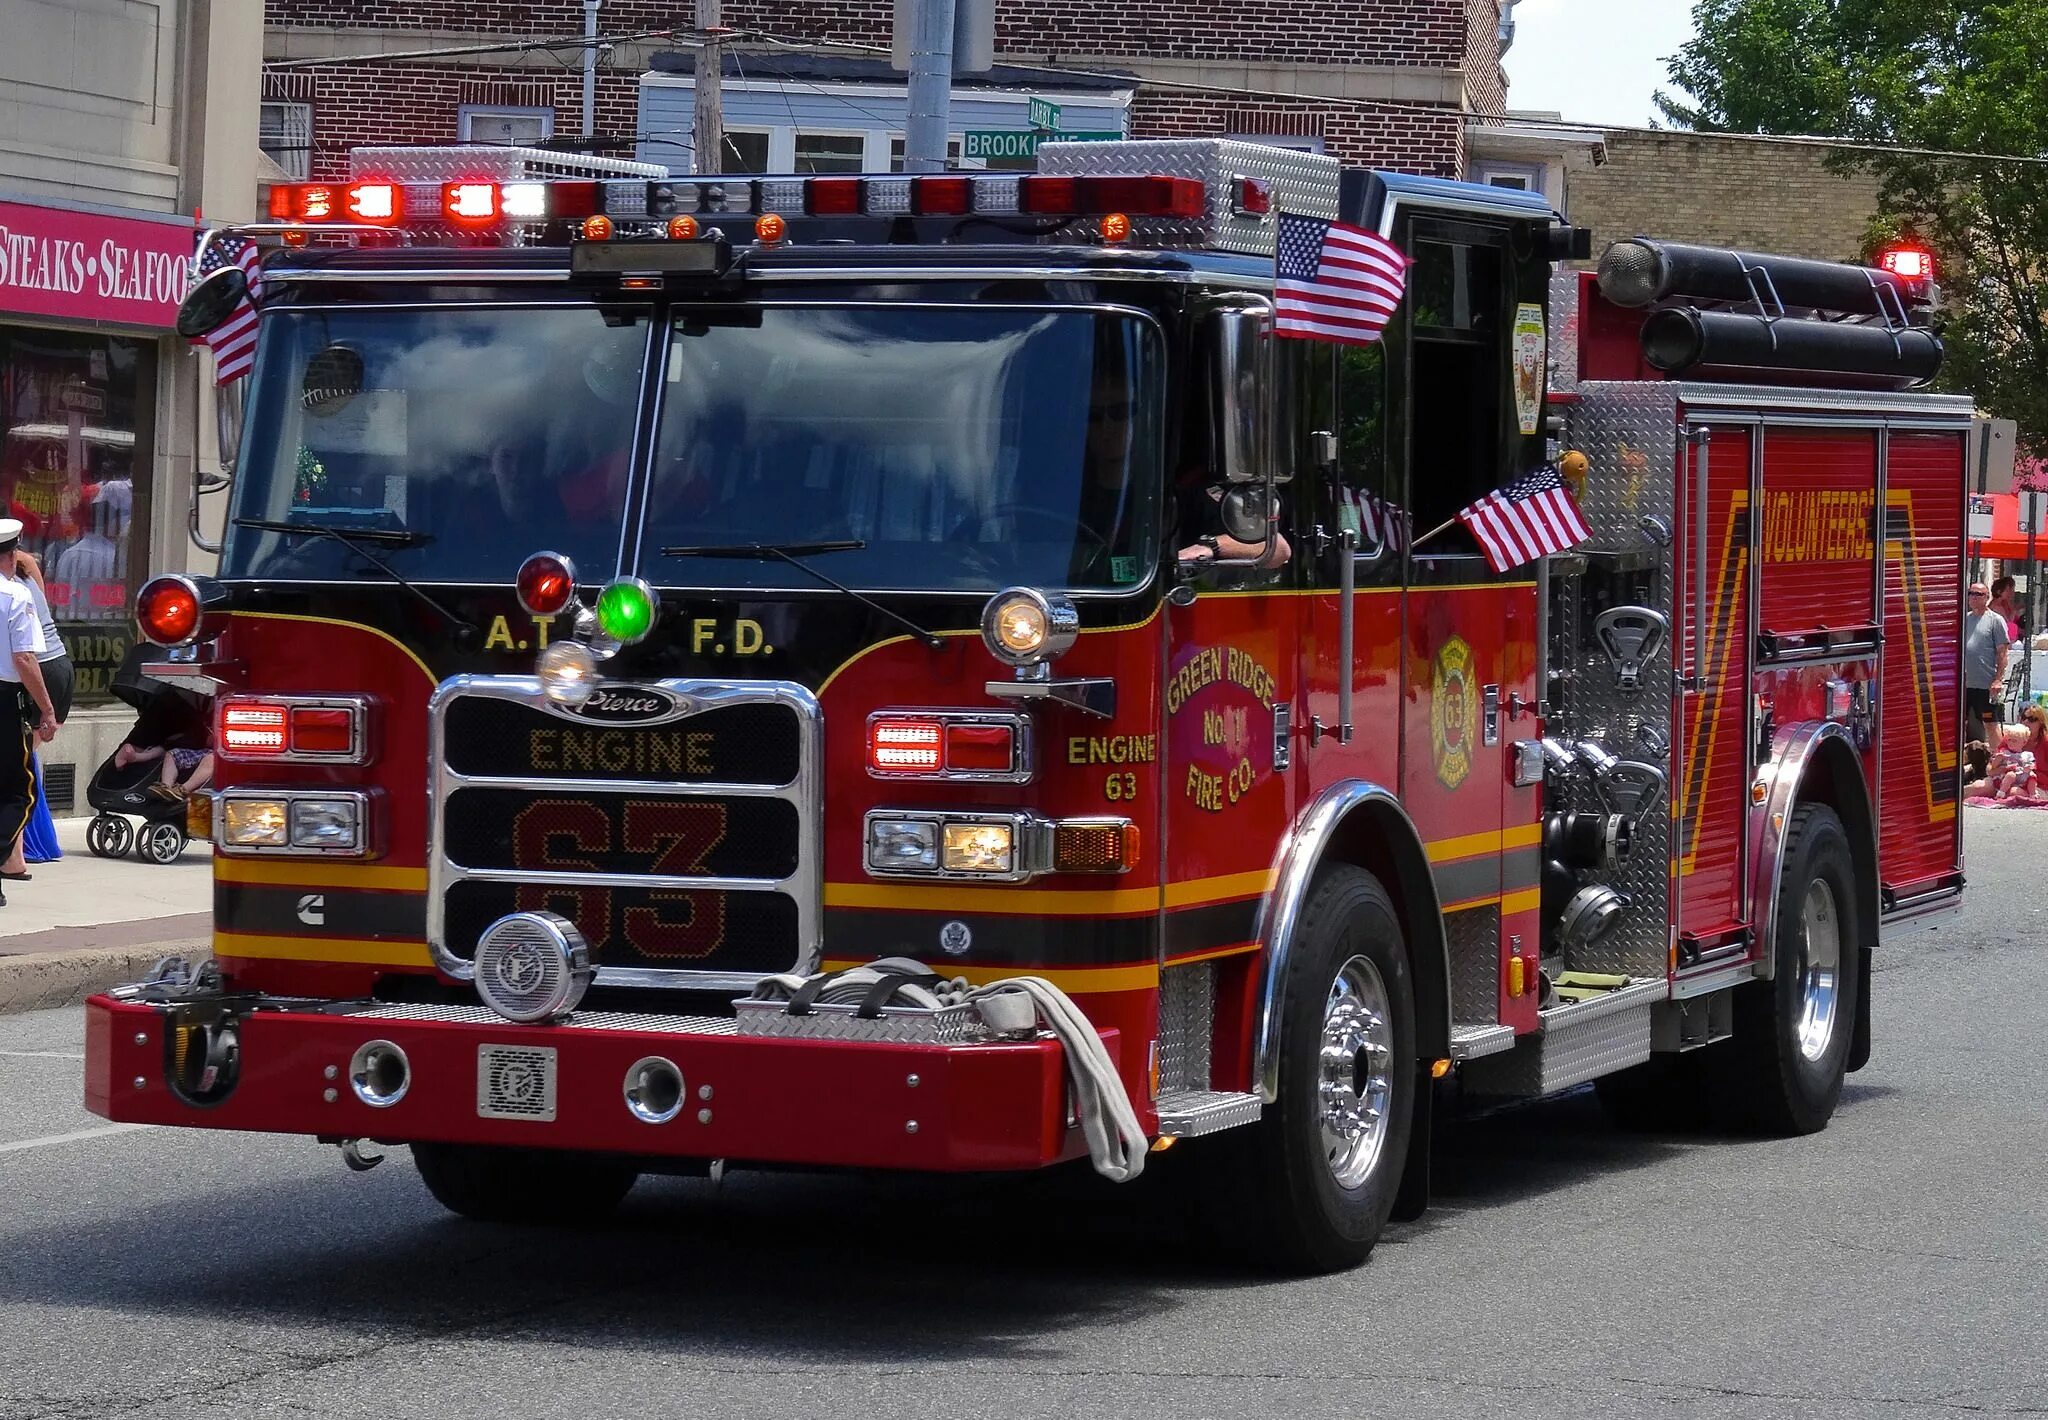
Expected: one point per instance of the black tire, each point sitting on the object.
(1306, 1220)
(108, 835)
(505, 1185)
(161, 842)
(1774, 1077)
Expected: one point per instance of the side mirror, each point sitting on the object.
(227, 411)
(1239, 346)
(208, 305)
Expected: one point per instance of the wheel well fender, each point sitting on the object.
(1815, 763)
(1361, 823)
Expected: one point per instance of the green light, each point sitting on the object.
(625, 610)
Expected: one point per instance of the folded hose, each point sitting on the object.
(1116, 1144)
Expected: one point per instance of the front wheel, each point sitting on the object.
(1324, 1164)
(506, 1185)
(108, 835)
(1783, 1073)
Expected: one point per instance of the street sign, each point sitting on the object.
(1010, 143)
(2033, 512)
(1043, 113)
(1980, 519)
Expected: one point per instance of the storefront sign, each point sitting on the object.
(1008, 143)
(85, 266)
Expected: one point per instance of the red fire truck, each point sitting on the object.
(907, 672)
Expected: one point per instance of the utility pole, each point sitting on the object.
(930, 23)
(708, 130)
(590, 68)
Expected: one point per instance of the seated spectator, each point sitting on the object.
(185, 769)
(1977, 773)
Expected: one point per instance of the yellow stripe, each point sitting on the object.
(1241, 949)
(1472, 845)
(1522, 900)
(1050, 902)
(1077, 983)
(851, 661)
(301, 873)
(336, 949)
(411, 655)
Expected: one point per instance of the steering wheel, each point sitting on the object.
(1065, 522)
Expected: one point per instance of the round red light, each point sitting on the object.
(167, 609)
(547, 581)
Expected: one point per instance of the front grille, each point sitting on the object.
(685, 849)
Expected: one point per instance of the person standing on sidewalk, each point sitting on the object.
(1985, 648)
(39, 842)
(29, 696)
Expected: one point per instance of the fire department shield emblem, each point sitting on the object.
(1453, 713)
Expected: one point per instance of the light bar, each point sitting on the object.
(293, 729)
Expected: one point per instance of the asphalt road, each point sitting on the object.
(1896, 1265)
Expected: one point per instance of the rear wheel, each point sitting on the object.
(1322, 1167)
(1782, 1074)
(108, 835)
(504, 1185)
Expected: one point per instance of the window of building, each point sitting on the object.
(896, 145)
(519, 127)
(1297, 142)
(746, 150)
(830, 152)
(1513, 180)
(285, 133)
(75, 427)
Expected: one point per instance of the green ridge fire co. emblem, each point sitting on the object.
(1453, 713)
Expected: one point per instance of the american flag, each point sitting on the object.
(1530, 518)
(233, 342)
(1379, 524)
(1335, 282)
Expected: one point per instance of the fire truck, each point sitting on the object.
(908, 672)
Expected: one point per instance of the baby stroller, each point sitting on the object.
(169, 716)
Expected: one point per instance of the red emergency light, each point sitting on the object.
(291, 728)
(1907, 262)
(945, 745)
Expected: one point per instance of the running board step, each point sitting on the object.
(1183, 1114)
(1579, 1041)
(1471, 1041)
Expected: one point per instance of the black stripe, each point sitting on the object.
(1221, 924)
(1473, 877)
(260, 910)
(1521, 868)
(997, 940)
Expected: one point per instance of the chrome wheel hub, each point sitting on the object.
(1820, 969)
(1355, 1072)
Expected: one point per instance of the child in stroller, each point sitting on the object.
(165, 757)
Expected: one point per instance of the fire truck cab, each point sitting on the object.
(908, 672)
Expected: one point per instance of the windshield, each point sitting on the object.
(968, 449)
(487, 434)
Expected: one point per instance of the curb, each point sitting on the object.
(41, 981)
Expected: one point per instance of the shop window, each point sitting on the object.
(519, 127)
(830, 152)
(76, 415)
(285, 134)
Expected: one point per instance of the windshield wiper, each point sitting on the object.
(353, 540)
(792, 553)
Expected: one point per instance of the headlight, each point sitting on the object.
(1025, 627)
(568, 672)
(979, 848)
(326, 823)
(254, 823)
(903, 845)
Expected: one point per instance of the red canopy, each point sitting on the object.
(2007, 543)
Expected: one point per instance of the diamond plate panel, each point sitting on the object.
(1303, 183)
(1578, 1043)
(473, 162)
(581, 1020)
(1185, 1114)
(1187, 1015)
(1474, 941)
(897, 1025)
(1564, 330)
(1629, 433)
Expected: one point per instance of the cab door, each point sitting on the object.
(1468, 650)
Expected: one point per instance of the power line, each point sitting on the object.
(685, 38)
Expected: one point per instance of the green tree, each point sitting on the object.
(1955, 76)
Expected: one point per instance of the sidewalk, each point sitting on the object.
(86, 923)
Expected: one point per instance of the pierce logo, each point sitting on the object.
(635, 706)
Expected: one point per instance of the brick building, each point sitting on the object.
(1392, 83)
(1725, 190)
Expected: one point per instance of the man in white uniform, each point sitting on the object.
(26, 714)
